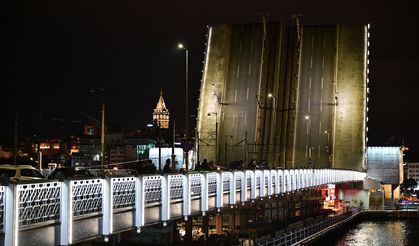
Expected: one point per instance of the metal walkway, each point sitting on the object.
(63, 213)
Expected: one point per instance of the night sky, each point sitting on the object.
(55, 52)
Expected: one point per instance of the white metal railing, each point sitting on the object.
(2, 203)
(150, 198)
(302, 232)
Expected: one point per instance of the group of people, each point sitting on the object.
(234, 165)
(253, 164)
(149, 168)
(205, 166)
(146, 167)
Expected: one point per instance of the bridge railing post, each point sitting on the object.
(242, 184)
(66, 214)
(219, 193)
(274, 181)
(165, 199)
(280, 181)
(248, 175)
(225, 185)
(267, 183)
(186, 196)
(107, 206)
(204, 194)
(10, 215)
(139, 204)
(232, 192)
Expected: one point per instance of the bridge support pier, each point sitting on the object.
(205, 225)
(242, 219)
(218, 223)
(188, 230)
(232, 220)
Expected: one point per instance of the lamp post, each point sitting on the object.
(329, 152)
(308, 119)
(181, 46)
(226, 149)
(102, 134)
(159, 141)
(216, 135)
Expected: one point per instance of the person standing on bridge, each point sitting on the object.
(166, 168)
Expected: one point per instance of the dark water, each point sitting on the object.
(372, 233)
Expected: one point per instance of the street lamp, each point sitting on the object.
(181, 46)
(328, 139)
(216, 135)
(270, 95)
(308, 119)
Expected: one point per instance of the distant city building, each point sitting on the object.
(89, 151)
(5, 154)
(115, 148)
(413, 170)
(161, 113)
(90, 129)
(412, 165)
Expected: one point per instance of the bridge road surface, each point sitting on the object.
(239, 101)
(316, 97)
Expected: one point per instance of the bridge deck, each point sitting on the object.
(62, 213)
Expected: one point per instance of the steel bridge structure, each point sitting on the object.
(65, 212)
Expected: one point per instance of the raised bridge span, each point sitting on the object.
(71, 211)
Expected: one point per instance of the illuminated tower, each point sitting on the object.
(161, 113)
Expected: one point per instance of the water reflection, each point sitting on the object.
(376, 233)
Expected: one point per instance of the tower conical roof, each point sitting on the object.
(160, 104)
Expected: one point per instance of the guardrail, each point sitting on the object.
(76, 210)
(302, 232)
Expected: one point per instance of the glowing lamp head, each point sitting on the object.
(180, 46)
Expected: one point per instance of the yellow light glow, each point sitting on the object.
(44, 146)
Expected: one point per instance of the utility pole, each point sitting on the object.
(159, 142)
(39, 137)
(173, 146)
(102, 137)
(15, 137)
